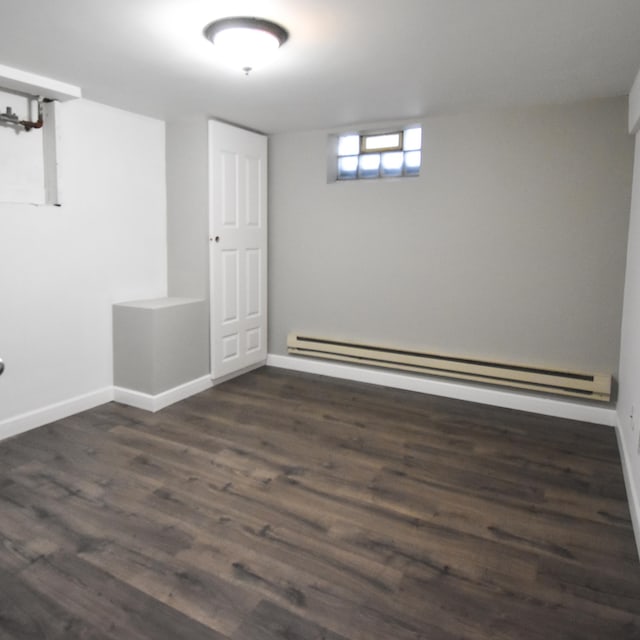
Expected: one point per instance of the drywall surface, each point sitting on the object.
(21, 153)
(187, 158)
(628, 407)
(634, 106)
(63, 267)
(510, 245)
(157, 344)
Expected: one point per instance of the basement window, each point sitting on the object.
(388, 154)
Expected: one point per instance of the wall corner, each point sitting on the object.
(634, 106)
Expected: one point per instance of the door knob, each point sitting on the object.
(1, 366)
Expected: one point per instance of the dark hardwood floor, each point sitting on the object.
(282, 506)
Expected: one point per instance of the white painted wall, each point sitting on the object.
(63, 267)
(510, 245)
(21, 158)
(187, 151)
(629, 389)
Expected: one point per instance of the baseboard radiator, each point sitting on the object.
(591, 386)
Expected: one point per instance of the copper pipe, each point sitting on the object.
(28, 124)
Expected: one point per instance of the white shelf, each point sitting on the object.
(30, 83)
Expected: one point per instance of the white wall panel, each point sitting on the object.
(63, 267)
(509, 245)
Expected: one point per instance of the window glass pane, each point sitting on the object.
(347, 167)
(369, 165)
(349, 145)
(412, 163)
(392, 163)
(384, 141)
(413, 139)
(379, 155)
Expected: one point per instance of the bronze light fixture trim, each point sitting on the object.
(246, 39)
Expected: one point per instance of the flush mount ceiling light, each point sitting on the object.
(246, 42)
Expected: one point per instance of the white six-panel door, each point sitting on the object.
(238, 248)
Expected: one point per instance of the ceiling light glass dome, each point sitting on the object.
(246, 43)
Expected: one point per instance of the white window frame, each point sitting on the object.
(369, 160)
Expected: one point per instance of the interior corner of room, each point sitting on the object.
(170, 223)
(514, 244)
(526, 263)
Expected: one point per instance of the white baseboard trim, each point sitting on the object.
(51, 413)
(236, 374)
(154, 403)
(433, 386)
(632, 490)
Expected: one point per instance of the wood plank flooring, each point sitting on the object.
(283, 506)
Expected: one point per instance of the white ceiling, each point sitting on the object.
(347, 61)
